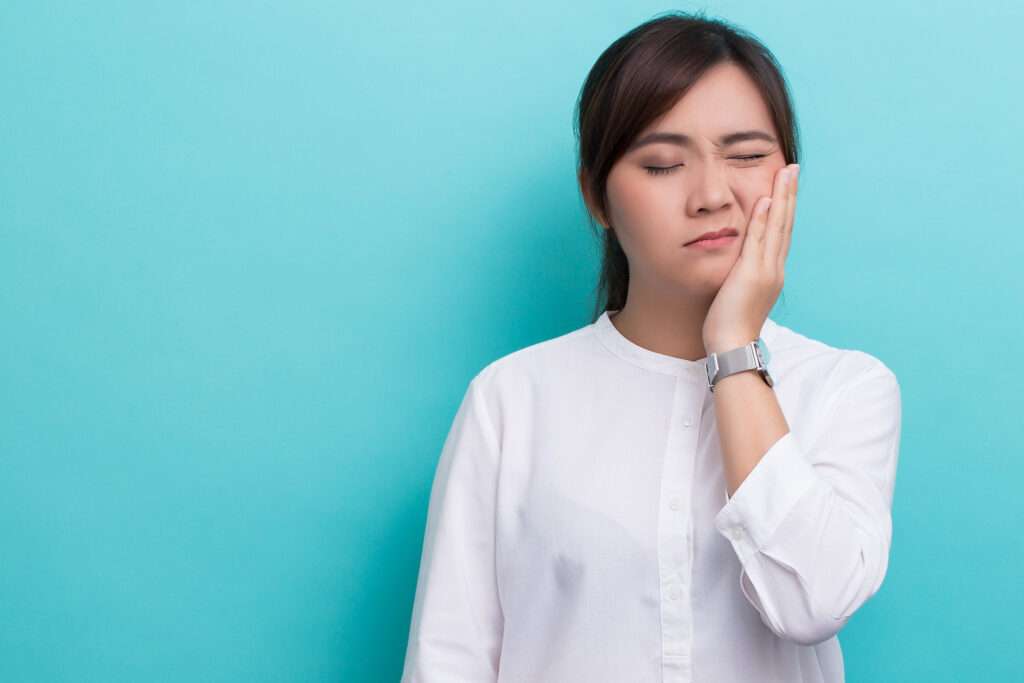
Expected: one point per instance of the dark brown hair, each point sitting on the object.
(640, 77)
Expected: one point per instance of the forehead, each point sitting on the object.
(724, 99)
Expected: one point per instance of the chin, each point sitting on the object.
(710, 274)
(698, 275)
(704, 283)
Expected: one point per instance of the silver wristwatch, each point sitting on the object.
(753, 356)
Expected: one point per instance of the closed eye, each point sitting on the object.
(658, 170)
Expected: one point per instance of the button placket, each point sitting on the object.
(675, 533)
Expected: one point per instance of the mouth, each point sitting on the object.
(714, 238)
(715, 243)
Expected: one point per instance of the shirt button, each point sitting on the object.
(674, 593)
(735, 532)
(687, 422)
(675, 504)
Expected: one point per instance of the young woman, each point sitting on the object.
(684, 489)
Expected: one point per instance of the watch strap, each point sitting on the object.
(741, 359)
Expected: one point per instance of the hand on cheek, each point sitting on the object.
(746, 297)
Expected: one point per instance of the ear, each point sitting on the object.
(589, 200)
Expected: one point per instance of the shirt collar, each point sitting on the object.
(622, 347)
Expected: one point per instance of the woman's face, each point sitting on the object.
(710, 182)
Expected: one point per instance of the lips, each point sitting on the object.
(713, 234)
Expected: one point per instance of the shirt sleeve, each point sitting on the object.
(812, 528)
(457, 622)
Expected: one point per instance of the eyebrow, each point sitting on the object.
(686, 141)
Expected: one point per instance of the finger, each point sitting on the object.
(751, 243)
(787, 233)
(775, 241)
(769, 252)
(758, 228)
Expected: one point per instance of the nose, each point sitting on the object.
(709, 190)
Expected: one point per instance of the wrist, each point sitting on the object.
(726, 344)
(731, 356)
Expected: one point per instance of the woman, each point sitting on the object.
(643, 499)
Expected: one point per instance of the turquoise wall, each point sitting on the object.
(252, 253)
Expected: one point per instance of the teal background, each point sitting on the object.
(252, 253)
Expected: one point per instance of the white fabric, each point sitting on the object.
(579, 528)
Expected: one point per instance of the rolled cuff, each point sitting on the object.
(768, 494)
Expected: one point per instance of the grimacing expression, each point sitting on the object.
(701, 166)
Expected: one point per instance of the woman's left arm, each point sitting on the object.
(810, 523)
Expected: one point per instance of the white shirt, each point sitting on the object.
(579, 527)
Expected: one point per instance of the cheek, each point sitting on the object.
(630, 204)
(642, 204)
(764, 182)
(752, 186)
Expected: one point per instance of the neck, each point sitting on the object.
(665, 325)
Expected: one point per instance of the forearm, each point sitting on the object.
(749, 419)
(809, 520)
